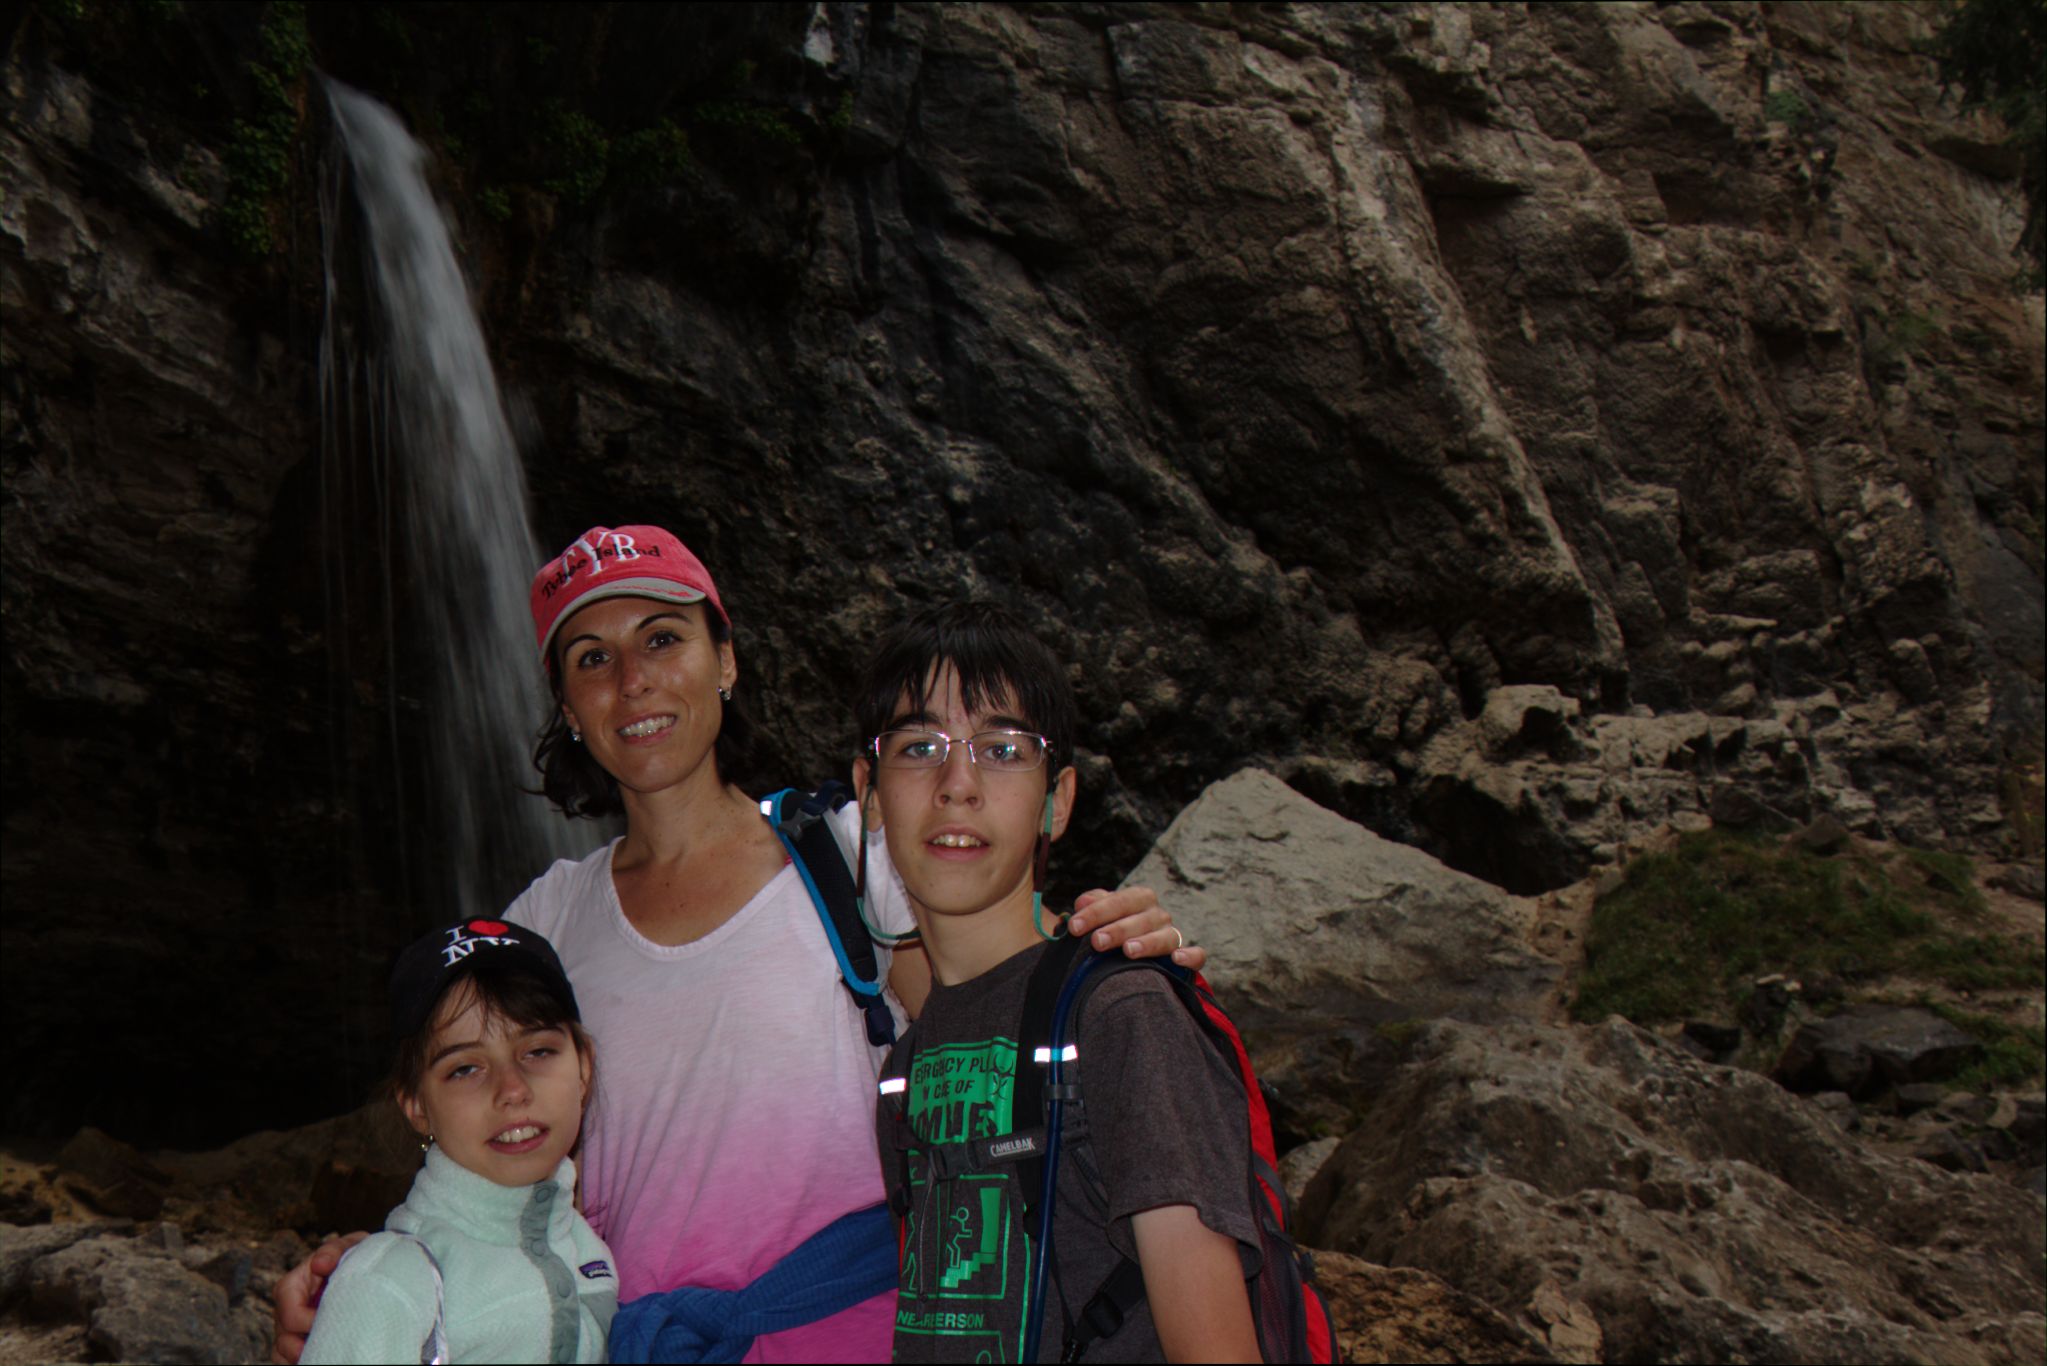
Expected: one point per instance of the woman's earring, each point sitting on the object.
(426, 1143)
(576, 736)
(724, 694)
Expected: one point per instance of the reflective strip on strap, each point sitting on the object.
(893, 1086)
(1066, 1054)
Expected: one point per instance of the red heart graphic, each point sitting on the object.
(488, 927)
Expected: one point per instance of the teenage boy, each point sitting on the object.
(968, 771)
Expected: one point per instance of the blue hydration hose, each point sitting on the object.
(1034, 1301)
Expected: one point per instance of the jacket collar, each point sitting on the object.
(447, 1192)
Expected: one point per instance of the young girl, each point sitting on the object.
(487, 1259)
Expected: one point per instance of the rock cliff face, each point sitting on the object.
(1515, 426)
(1698, 1213)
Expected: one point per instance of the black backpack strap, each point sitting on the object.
(1103, 1315)
(1034, 1033)
(895, 1103)
(800, 821)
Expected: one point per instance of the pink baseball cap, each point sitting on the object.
(618, 562)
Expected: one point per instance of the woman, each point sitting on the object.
(734, 1126)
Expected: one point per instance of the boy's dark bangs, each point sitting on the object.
(1001, 668)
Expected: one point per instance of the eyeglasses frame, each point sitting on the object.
(973, 759)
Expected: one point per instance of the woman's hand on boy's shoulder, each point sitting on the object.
(297, 1297)
(1132, 917)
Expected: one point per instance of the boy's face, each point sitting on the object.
(963, 835)
(503, 1100)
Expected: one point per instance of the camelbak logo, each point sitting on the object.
(1012, 1147)
(596, 1271)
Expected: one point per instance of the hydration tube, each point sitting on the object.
(1055, 1074)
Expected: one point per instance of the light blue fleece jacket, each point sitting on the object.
(526, 1279)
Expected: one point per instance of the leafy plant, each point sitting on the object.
(1892, 337)
(1399, 1033)
(656, 155)
(579, 149)
(2012, 1054)
(1786, 106)
(1908, 331)
(2022, 792)
(390, 26)
(258, 155)
(769, 124)
(841, 117)
(1994, 52)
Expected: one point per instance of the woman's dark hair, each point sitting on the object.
(507, 990)
(578, 784)
(999, 663)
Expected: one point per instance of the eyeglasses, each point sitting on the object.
(991, 751)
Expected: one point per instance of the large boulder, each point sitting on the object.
(1310, 918)
(1325, 939)
(1867, 1049)
(1699, 1213)
(22, 1248)
(112, 1176)
(141, 1303)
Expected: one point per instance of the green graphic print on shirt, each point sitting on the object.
(966, 1256)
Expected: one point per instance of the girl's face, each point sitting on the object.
(503, 1100)
(640, 682)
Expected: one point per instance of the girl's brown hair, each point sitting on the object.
(507, 990)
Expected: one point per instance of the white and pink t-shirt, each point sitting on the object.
(734, 1109)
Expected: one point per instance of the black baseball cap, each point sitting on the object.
(433, 963)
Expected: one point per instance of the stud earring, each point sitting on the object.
(724, 694)
(426, 1143)
(576, 736)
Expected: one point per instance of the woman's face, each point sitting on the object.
(640, 682)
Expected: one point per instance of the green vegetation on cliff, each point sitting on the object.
(259, 150)
(1689, 929)
(1995, 53)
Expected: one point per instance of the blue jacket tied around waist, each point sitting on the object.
(846, 1262)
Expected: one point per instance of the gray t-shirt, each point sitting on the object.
(1161, 1121)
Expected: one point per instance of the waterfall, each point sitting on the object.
(421, 476)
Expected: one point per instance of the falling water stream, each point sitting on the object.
(421, 474)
